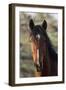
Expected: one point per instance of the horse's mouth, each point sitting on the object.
(37, 67)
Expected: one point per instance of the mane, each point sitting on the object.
(51, 51)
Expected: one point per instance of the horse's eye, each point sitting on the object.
(38, 36)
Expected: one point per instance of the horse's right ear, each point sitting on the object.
(44, 24)
(31, 24)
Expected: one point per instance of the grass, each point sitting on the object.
(27, 68)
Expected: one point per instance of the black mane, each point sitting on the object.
(51, 51)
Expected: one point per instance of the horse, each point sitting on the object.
(44, 56)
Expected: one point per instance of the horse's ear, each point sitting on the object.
(44, 25)
(31, 24)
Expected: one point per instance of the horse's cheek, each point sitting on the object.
(34, 52)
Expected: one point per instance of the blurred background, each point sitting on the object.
(26, 62)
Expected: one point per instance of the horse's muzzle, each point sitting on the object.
(37, 67)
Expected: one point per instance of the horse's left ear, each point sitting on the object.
(44, 25)
(31, 24)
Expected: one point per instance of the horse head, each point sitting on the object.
(38, 43)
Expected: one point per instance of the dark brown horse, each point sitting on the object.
(44, 56)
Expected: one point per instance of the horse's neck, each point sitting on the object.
(45, 60)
